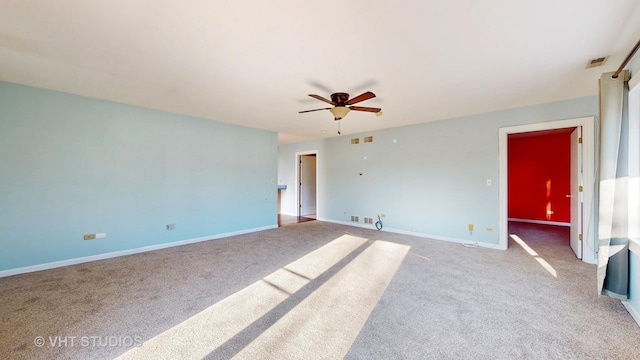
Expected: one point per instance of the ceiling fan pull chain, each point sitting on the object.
(339, 133)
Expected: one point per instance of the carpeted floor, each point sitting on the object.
(321, 290)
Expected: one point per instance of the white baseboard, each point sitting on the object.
(422, 235)
(57, 264)
(542, 222)
(632, 310)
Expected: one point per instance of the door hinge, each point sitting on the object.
(580, 237)
(580, 188)
(580, 140)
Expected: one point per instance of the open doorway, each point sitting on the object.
(544, 176)
(300, 202)
(307, 186)
(580, 199)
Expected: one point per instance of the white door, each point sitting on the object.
(307, 185)
(576, 192)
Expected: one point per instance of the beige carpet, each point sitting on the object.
(320, 290)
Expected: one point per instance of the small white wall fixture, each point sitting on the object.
(588, 125)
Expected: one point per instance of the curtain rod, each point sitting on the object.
(624, 63)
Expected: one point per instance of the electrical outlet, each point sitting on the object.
(171, 226)
(489, 229)
(90, 236)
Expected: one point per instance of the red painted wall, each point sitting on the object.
(539, 176)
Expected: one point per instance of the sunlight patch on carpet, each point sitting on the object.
(202, 333)
(325, 324)
(535, 255)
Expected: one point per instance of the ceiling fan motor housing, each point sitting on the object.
(340, 98)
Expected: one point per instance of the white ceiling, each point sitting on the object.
(253, 63)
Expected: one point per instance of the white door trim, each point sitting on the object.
(588, 142)
(297, 192)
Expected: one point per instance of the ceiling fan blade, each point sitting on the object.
(306, 111)
(362, 97)
(322, 99)
(364, 108)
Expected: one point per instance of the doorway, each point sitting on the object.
(582, 231)
(544, 175)
(307, 186)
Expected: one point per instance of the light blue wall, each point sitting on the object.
(71, 165)
(432, 179)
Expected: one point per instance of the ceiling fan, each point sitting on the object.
(342, 104)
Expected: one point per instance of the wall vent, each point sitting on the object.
(368, 139)
(596, 62)
(355, 141)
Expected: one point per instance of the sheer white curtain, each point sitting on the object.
(634, 166)
(613, 197)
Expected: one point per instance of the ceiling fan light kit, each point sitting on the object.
(339, 112)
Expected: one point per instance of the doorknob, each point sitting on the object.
(568, 195)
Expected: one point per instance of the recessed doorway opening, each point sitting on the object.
(578, 197)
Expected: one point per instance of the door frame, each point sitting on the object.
(297, 192)
(588, 124)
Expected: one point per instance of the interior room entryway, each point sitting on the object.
(543, 171)
(305, 190)
(546, 178)
(307, 171)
